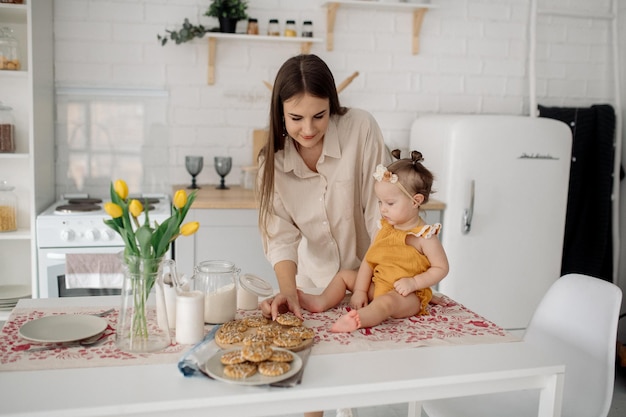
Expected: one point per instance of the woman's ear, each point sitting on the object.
(418, 199)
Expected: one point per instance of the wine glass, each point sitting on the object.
(223, 164)
(194, 165)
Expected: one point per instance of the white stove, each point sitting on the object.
(75, 224)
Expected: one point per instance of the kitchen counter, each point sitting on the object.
(208, 197)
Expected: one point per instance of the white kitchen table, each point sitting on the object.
(330, 381)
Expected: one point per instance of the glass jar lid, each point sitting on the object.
(256, 285)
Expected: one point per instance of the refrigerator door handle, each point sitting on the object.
(468, 213)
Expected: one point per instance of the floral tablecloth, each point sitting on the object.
(448, 323)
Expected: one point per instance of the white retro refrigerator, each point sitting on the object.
(504, 180)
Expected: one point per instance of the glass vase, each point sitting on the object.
(138, 327)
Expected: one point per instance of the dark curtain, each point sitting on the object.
(587, 244)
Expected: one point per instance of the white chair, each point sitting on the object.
(576, 320)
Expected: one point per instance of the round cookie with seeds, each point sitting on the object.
(233, 357)
(269, 330)
(255, 338)
(255, 321)
(289, 319)
(234, 325)
(302, 332)
(240, 370)
(257, 353)
(273, 368)
(281, 356)
(226, 337)
(286, 340)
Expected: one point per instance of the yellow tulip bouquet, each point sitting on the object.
(145, 245)
(144, 240)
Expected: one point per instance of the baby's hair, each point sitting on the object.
(414, 176)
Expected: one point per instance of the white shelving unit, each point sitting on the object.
(305, 45)
(418, 9)
(30, 92)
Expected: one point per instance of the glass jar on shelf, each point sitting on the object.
(253, 26)
(8, 208)
(7, 129)
(307, 29)
(9, 51)
(273, 29)
(290, 29)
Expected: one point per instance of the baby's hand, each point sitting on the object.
(405, 286)
(358, 299)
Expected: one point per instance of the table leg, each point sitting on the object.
(415, 409)
(551, 397)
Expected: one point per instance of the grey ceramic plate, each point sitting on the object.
(215, 369)
(62, 328)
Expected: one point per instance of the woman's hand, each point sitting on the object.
(279, 304)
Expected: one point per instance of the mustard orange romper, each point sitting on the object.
(391, 258)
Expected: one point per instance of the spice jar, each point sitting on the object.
(290, 28)
(7, 130)
(253, 27)
(8, 208)
(9, 56)
(307, 29)
(272, 28)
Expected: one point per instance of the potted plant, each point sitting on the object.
(228, 12)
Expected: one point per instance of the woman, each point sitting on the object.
(318, 211)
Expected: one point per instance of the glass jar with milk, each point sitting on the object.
(218, 280)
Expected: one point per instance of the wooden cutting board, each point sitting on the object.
(259, 137)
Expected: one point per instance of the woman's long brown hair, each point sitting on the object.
(297, 76)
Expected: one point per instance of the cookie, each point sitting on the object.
(281, 356)
(234, 325)
(255, 338)
(232, 357)
(228, 336)
(273, 368)
(257, 353)
(240, 370)
(271, 330)
(286, 340)
(302, 332)
(255, 321)
(289, 319)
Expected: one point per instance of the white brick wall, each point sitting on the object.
(473, 59)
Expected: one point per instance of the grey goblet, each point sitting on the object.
(194, 166)
(223, 164)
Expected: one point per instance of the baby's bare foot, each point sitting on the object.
(310, 302)
(347, 323)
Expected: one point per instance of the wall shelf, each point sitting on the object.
(418, 9)
(305, 45)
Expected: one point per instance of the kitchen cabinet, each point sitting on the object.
(228, 231)
(224, 234)
(305, 45)
(418, 9)
(30, 92)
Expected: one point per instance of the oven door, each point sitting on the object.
(52, 272)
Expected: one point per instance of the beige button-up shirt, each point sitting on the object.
(324, 221)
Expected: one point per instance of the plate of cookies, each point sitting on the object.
(287, 332)
(256, 364)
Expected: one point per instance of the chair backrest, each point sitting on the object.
(577, 320)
